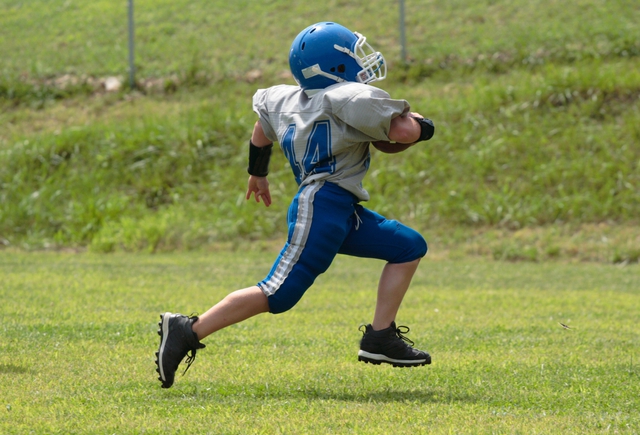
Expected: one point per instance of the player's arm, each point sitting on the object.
(406, 131)
(259, 155)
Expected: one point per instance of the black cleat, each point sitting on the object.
(177, 339)
(390, 346)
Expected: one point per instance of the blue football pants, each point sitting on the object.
(325, 220)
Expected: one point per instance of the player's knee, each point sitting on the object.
(279, 305)
(419, 246)
(415, 247)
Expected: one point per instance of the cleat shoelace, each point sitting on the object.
(191, 357)
(362, 328)
(404, 330)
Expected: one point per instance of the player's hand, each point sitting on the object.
(259, 187)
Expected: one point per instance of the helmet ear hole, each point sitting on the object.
(341, 68)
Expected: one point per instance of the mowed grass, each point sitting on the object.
(79, 333)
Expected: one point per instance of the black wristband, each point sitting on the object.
(427, 128)
(259, 160)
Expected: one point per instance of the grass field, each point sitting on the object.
(529, 197)
(79, 332)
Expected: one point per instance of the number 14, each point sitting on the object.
(317, 156)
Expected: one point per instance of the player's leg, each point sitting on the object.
(402, 248)
(234, 308)
(319, 219)
(314, 239)
(394, 283)
(181, 335)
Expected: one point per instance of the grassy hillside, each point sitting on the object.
(536, 107)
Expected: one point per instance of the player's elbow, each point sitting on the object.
(404, 129)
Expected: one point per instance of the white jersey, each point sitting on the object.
(327, 136)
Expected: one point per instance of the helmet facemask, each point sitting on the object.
(372, 63)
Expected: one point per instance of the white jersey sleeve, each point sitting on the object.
(327, 136)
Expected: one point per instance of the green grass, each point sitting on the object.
(222, 39)
(535, 162)
(536, 107)
(79, 332)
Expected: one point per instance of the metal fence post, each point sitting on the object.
(403, 39)
(132, 67)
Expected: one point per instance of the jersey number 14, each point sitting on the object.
(317, 156)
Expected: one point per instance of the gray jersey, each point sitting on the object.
(326, 137)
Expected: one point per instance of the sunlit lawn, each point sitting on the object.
(79, 333)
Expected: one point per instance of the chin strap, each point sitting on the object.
(315, 70)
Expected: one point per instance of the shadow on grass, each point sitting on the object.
(388, 396)
(13, 369)
(221, 391)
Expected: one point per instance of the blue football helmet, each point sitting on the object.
(327, 53)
